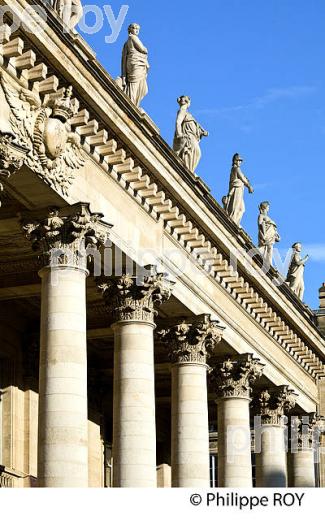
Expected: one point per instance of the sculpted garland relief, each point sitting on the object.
(41, 130)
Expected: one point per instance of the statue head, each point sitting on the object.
(134, 28)
(236, 159)
(184, 100)
(297, 247)
(264, 206)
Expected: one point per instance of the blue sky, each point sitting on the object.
(255, 72)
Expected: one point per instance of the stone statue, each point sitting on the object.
(70, 11)
(295, 277)
(267, 233)
(234, 202)
(135, 66)
(188, 135)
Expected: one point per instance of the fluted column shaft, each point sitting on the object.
(134, 427)
(270, 446)
(233, 379)
(62, 239)
(189, 345)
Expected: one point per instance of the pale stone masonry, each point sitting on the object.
(190, 345)
(113, 372)
(233, 379)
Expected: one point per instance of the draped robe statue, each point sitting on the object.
(267, 233)
(188, 135)
(135, 66)
(70, 11)
(234, 202)
(295, 277)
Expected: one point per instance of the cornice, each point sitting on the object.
(277, 310)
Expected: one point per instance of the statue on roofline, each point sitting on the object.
(135, 67)
(267, 233)
(295, 277)
(234, 202)
(70, 11)
(188, 135)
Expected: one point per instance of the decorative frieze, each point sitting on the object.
(273, 404)
(193, 340)
(66, 237)
(131, 299)
(234, 377)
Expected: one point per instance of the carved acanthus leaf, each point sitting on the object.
(66, 239)
(273, 404)
(234, 377)
(193, 340)
(303, 431)
(128, 298)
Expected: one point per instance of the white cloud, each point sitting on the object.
(272, 95)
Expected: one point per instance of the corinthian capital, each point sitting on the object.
(193, 340)
(129, 300)
(273, 404)
(235, 376)
(302, 432)
(65, 237)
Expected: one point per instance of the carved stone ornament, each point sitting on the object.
(131, 300)
(303, 431)
(70, 11)
(42, 127)
(273, 404)
(235, 376)
(11, 157)
(68, 236)
(193, 340)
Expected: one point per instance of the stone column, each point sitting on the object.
(133, 307)
(189, 345)
(270, 442)
(62, 239)
(301, 463)
(232, 380)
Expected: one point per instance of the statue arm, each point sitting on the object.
(244, 179)
(262, 225)
(123, 63)
(179, 122)
(203, 132)
(138, 45)
(301, 261)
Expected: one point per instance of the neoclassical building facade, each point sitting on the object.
(141, 343)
